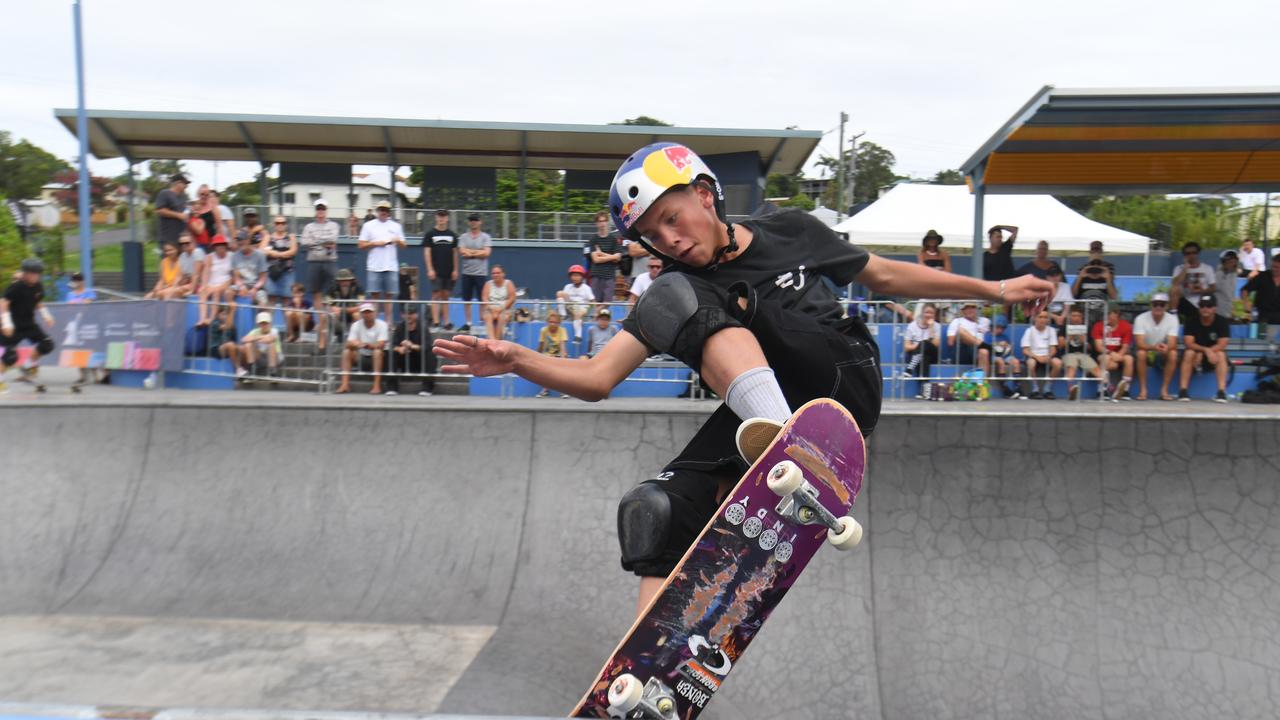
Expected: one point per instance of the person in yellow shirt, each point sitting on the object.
(553, 341)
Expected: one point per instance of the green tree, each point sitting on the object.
(1210, 221)
(799, 200)
(782, 185)
(873, 170)
(948, 177)
(12, 248)
(1080, 203)
(644, 120)
(157, 179)
(25, 168)
(248, 192)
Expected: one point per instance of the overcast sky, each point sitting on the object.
(929, 80)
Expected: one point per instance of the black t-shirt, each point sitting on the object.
(608, 244)
(23, 299)
(171, 228)
(1266, 297)
(998, 265)
(1207, 335)
(1094, 287)
(790, 253)
(443, 243)
(1031, 268)
(404, 333)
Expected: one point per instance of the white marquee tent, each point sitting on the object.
(902, 216)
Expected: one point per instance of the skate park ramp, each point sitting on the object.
(464, 561)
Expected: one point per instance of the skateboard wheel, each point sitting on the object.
(785, 478)
(848, 537)
(625, 693)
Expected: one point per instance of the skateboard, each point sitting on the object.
(30, 377)
(792, 500)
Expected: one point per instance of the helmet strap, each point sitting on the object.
(730, 247)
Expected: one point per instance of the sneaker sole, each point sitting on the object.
(753, 437)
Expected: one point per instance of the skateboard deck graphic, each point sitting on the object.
(737, 571)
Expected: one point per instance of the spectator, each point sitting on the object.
(474, 250)
(1224, 283)
(368, 217)
(249, 272)
(408, 283)
(279, 248)
(441, 256)
(1003, 359)
(171, 206)
(1096, 284)
(77, 293)
(343, 302)
(1062, 297)
(498, 295)
(228, 228)
(298, 317)
(215, 285)
(965, 335)
(222, 337)
(553, 341)
(997, 260)
(931, 253)
(206, 210)
(353, 224)
(1040, 265)
(1113, 341)
(406, 353)
(921, 341)
(320, 238)
(605, 257)
(601, 333)
(191, 263)
(1190, 280)
(366, 343)
(575, 299)
(169, 283)
(639, 257)
(1206, 338)
(1252, 261)
(1076, 353)
(653, 267)
(1155, 337)
(260, 344)
(251, 228)
(381, 237)
(1039, 345)
(1262, 293)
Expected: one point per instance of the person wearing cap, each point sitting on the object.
(215, 283)
(343, 300)
(1226, 277)
(931, 253)
(280, 247)
(320, 240)
(171, 209)
(249, 271)
(997, 259)
(365, 349)
(190, 263)
(1040, 265)
(474, 249)
(653, 266)
(259, 344)
(1252, 261)
(601, 333)
(381, 237)
(22, 302)
(575, 299)
(965, 334)
(169, 281)
(407, 356)
(1113, 341)
(1262, 293)
(1005, 362)
(498, 296)
(251, 228)
(440, 253)
(1155, 337)
(1206, 338)
(606, 259)
(1191, 279)
(77, 292)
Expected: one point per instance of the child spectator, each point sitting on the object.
(921, 341)
(222, 338)
(579, 297)
(1062, 297)
(77, 292)
(215, 286)
(1076, 354)
(1206, 338)
(1113, 342)
(1039, 345)
(406, 353)
(552, 341)
(298, 317)
(1155, 338)
(1006, 363)
(600, 333)
(262, 343)
(366, 345)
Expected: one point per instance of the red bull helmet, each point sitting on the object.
(649, 173)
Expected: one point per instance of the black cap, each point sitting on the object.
(473, 216)
(442, 213)
(77, 277)
(1208, 301)
(178, 177)
(250, 211)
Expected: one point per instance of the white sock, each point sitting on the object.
(755, 393)
(577, 327)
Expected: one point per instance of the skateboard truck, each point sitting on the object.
(800, 505)
(652, 701)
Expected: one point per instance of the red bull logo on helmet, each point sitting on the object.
(680, 156)
(631, 212)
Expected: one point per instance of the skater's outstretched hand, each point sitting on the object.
(1031, 291)
(477, 356)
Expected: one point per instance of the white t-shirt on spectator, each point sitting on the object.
(579, 294)
(1154, 333)
(974, 328)
(384, 258)
(1038, 342)
(1252, 260)
(361, 333)
(1200, 276)
(642, 283)
(639, 265)
(917, 334)
(225, 212)
(1061, 296)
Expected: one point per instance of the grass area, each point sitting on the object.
(110, 258)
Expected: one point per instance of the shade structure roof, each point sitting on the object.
(902, 216)
(142, 136)
(1088, 141)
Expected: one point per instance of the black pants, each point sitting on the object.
(927, 353)
(31, 333)
(811, 360)
(411, 362)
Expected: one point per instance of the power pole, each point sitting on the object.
(852, 180)
(840, 206)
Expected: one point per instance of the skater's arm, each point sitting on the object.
(893, 277)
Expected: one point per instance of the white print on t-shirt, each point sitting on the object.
(791, 280)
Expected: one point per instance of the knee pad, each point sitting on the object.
(10, 357)
(45, 346)
(673, 318)
(644, 522)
